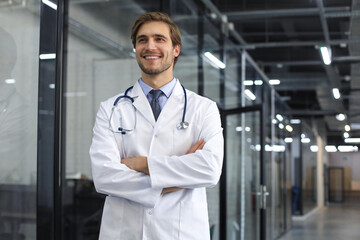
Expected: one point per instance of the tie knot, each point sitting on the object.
(156, 93)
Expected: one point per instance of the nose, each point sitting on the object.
(150, 44)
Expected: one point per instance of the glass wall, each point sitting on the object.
(19, 54)
(309, 163)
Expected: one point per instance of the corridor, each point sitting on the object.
(334, 222)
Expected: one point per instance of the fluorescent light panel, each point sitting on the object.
(50, 4)
(249, 94)
(47, 56)
(352, 140)
(305, 140)
(336, 93)
(347, 127)
(330, 148)
(295, 121)
(289, 128)
(325, 53)
(288, 140)
(10, 81)
(314, 148)
(340, 117)
(274, 81)
(279, 117)
(346, 148)
(258, 82)
(248, 83)
(215, 60)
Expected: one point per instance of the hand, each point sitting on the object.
(197, 146)
(170, 189)
(137, 163)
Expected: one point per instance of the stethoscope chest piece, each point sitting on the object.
(183, 125)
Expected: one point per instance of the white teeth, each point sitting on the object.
(151, 57)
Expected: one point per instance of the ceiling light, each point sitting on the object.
(325, 53)
(347, 78)
(238, 129)
(330, 148)
(52, 85)
(50, 4)
(250, 95)
(274, 121)
(288, 140)
(295, 121)
(248, 83)
(346, 135)
(355, 126)
(352, 140)
(279, 117)
(47, 56)
(346, 148)
(340, 117)
(281, 126)
(305, 140)
(336, 93)
(314, 148)
(216, 62)
(303, 135)
(258, 82)
(289, 128)
(347, 127)
(247, 129)
(274, 81)
(10, 81)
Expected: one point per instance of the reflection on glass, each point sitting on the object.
(18, 112)
(243, 175)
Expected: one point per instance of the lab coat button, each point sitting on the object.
(150, 212)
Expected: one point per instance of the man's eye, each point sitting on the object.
(141, 40)
(161, 39)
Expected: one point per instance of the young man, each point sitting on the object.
(155, 173)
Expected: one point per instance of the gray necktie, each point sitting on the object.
(155, 106)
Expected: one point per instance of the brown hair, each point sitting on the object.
(175, 34)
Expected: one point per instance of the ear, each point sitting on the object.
(177, 50)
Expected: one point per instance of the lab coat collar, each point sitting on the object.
(141, 103)
(171, 108)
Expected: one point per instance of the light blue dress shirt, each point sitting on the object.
(166, 89)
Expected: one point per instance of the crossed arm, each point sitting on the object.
(140, 163)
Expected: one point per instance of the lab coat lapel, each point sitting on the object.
(173, 107)
(142, 104)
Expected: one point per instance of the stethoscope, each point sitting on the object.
(123, 130)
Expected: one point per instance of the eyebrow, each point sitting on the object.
(155, 35)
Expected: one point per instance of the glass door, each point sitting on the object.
(243, 164)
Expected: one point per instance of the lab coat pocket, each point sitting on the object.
(194, 223)
(185, 138)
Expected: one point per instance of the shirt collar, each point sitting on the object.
(166, 89)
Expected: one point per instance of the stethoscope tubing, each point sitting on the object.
(182, 124)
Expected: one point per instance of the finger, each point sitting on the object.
(201, 146)
(194, 147)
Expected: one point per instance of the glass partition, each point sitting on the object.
(253, 85)
(309, 163)
(100, 64)
(212, 45)
(19, 59)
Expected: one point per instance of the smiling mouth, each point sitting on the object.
(151, 57)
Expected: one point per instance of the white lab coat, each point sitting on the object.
(135, 208)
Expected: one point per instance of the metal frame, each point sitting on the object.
(49, 162)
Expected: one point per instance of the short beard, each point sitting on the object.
(154, 71)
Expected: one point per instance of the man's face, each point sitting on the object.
(154, 50)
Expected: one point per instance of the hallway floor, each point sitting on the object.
(334, 222)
